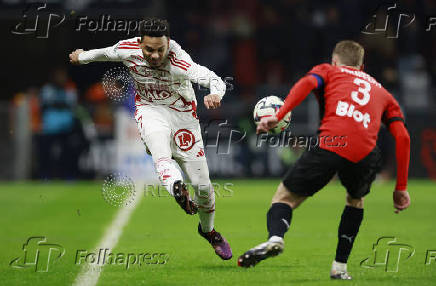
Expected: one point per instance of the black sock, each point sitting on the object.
(347, 232)
(278, 219)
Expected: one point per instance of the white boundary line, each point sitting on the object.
(89, 274)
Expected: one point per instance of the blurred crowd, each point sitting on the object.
(64, 123)
(275, 42)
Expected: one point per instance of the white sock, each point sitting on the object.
(206, 220)
(278, 239)
(338, 266)
(198, 174)
(168, 173)
(158, 143)
(205, 198)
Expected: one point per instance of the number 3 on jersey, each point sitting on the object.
(361, 97)
(365, 91)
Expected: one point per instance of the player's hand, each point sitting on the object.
(266, 123)
(74, 57)
(212, 101)
(401, 200)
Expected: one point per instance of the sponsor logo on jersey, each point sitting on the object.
(345, 109)
(152, 92)
(184, 139)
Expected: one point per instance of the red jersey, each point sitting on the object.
(352, 106)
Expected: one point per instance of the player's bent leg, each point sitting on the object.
(311, 173)
(158, 143)
(351, 220)
(353, 202)
(283, 195)
(170, 177)
(280, 214)
(181, 195)
(198, 174)
(278, 222)
(357, 179)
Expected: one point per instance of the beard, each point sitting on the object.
(156, 63)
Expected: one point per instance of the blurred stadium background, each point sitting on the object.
(261, 47)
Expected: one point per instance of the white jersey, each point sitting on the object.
(170, 84)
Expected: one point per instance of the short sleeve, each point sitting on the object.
(320, 72)
(392, 111)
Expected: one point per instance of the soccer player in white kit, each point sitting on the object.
(166, 115)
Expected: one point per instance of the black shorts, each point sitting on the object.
(315, 168)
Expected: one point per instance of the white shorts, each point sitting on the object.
(183, 130)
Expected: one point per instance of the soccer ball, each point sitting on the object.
(268, 106)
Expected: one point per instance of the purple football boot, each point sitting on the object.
(219, 243)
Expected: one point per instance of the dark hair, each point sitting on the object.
(350, 53)
(154, 27)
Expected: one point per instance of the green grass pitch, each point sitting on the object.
(74, 216)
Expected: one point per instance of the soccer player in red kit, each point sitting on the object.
(352, 107)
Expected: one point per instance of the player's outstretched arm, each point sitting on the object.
(296, 95)
(109, 54)
(74, 56)
(402, 153)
